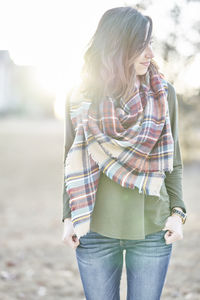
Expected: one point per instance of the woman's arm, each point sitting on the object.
(173, 180)
(69, 137)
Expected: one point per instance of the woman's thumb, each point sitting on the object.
(165, 228)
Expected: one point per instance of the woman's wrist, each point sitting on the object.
(177, 216)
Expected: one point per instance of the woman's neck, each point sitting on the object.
(137, 83)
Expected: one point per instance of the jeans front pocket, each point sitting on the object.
(155, 235)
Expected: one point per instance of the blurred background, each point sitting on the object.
(41, 53)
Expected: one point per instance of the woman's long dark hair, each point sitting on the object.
(108, 68)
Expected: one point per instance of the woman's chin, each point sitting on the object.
(142, 73)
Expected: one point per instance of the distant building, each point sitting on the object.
(8, 99)
(19, 92)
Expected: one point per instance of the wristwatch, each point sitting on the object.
(180, 213)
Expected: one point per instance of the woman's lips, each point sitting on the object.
(145, 64)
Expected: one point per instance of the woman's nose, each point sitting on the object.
(149, 52)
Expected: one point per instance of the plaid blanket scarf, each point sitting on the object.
(131, 142)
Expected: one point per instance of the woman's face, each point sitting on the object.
(142, 62)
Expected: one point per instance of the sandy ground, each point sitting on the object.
(34, 263)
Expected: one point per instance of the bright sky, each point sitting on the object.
(52, 34)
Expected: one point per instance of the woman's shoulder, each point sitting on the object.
(74, 95)
(171, 97)
(171, 89)
(172, 103)
(71, 94)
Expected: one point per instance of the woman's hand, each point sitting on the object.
(69, 236)
(174, 227)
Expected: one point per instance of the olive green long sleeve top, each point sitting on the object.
(124, 213)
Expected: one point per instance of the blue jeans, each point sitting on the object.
(100, 263)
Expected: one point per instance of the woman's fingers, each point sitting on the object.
(69, 237)
(174, 229)
(71, 240)
(171, 237)
(73, 243)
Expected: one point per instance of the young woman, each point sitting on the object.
(123, 168)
